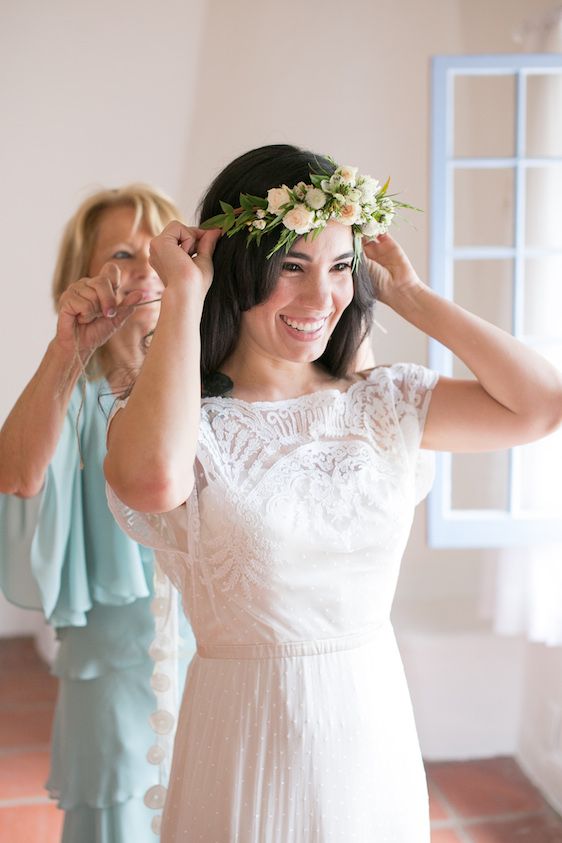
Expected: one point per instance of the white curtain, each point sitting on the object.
(528, 589)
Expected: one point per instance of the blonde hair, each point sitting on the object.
(152, 208)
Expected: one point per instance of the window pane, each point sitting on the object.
(542, 312)
(481, 128)
(485, 287)
(544, 115)
(540, 466)
(544, 208)
(483, 207)
(480, 481)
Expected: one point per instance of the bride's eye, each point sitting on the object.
(342, 267)
(291, 267)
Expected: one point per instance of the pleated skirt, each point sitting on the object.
(307, 743)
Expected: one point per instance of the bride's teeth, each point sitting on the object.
(308, 328)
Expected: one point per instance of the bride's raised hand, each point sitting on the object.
(390, 269)
(91, 310)
(184, 255)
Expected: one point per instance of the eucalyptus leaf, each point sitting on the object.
(257, 201)
(384, 188)
(246, 202)
(214, 222)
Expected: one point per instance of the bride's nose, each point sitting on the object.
(317, 292)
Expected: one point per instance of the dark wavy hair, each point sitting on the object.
(244, 277)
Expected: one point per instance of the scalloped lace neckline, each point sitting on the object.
(280, 402)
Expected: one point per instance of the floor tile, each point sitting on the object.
(19, 654)
(26, 727)
(437, 808)
(445, 835)
(543, 828)
(31, 824)
(23, 774)
(27, 687)
(485, 788)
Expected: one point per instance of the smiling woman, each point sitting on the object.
(60, 550)
(314, 287)
(281, 508)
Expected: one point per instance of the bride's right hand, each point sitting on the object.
(91, 310)
(182, 254)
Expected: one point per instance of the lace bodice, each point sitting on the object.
(300, 512)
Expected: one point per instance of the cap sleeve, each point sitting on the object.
(164, 532)
(402, 393)
(411, 387)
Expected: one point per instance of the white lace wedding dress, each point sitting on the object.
(296, 724)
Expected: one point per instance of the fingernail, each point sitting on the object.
(111, 313)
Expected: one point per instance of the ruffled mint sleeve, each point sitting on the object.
(62, 551)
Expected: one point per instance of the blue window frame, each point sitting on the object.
(490, 169)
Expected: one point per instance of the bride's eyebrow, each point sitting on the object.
(302, 256)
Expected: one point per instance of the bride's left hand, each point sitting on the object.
(390, 269)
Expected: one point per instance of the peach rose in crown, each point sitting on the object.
(299, 219)
(347, 174)
(349, 214)
(276, 198)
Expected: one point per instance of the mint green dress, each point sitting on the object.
(62, 553)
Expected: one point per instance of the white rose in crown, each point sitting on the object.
(347, 175)
(299, 219)
(315, 198)
(349, 214)
(276, 198)
(372, 229)
(368, 187)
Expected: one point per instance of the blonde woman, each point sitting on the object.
(61, 551)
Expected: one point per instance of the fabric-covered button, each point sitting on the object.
(155, 754)
(160, 649)
(155, 796)
(161, 722)
(159, 607)
(159, 682)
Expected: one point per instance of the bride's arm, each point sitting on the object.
(517, 394)
(153, 439)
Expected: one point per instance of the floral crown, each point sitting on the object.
(344, 195)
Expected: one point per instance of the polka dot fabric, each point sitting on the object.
(296, 723)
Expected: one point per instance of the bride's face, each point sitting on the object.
(314, 287)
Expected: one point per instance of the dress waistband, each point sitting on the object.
(287, 649)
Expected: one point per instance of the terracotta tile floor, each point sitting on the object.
(487, 801)
(27, 696)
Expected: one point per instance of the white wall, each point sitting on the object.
(118, 90)
(540, 738)
(92, 95)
